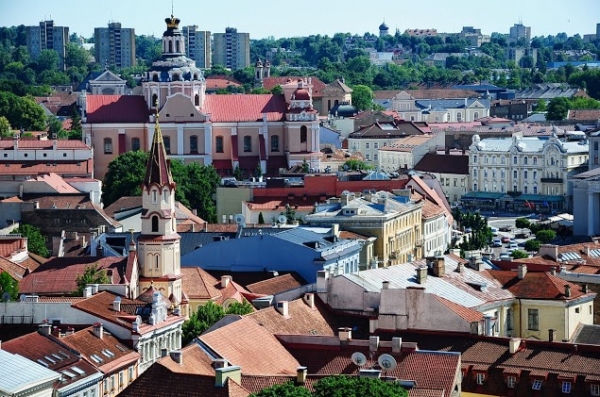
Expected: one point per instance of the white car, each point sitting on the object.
(513, 246)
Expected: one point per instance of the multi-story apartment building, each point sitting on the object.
(519, 31)
(46, 36)
(231, 49)
(198, 46)
(115, 46)
(586, 193)
(524, 173)
(405, 153)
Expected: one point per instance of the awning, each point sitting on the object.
(539, 198)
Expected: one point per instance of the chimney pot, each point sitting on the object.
(117, 304)
(567, 290)
(282, 308)
(385, 284)
(396, 344)
(301, 375)
(439, 267)
(373, 343)
(309, 298)
(345, 334)
(225, 280)
(44, 328)
(422, 274)
(522, 271)
(98, 330)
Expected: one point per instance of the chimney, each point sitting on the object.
(439, 267)
(94, 288)
(70, 331)
(522, 271)
(282, 308)
(309, 299)
(219, 363)
(44, 328)
(553, 270)
(421, 274)
(87, 291)
(345, 334)
(99, 251)
(488, 325)
(551, 335)
(164, 352)
(321, 281)
(222, 374)
(117, 304)
(335, 229)
(177, 356)
(385, 285)
(513, 345)
(301, 375)
(584, 288)
(225, 280)
(98, 330)
(549, 249)
(373, 343)
(567, 290)
(396, 344)
(460, 267)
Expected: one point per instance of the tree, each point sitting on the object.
(237, 173)
(545, 236)
(290, 214)
(200, 321)
(557, 109)
(91, 275)
(287, 389)
(5, 129)
(356, 165)
(261, 219)
(532, 245)
(8, 285)
(47, 61)
(518, 254)
(22, 112)
(362, 97)
(124, 177)
(35, 241)
(541, 106)
(54, 126)
(357, 386)
(522, 223)
(240, 308)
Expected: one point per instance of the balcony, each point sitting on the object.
(552, 180)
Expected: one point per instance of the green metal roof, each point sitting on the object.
(539, 198)
(482, 196)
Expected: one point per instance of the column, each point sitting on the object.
(591, 214)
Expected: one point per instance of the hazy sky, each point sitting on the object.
(288, 18)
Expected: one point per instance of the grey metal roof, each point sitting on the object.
(450, 103)
(528, 145)
(588, 334)
(18, 373)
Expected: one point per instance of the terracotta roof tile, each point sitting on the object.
(448, 93)
(262, 353)
(277, 284)
(43, 144)
(214, 83)
(116, 109)
(236, 108)
(10, 246)
(584, 114)
(14, 199)
(447, 164)
(194, 361)
(536, 285)
(198, 284)
(63, 168)
(269, 203)
(15, 270)
(469, 315)
(270, 82)
(301, 320)
(346, 235)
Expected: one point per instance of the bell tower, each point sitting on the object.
(158, 246)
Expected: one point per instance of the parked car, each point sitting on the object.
(513, 246)
(505, 256)
(497, 242)
(505, 229)
(505, 239)
(468, 230)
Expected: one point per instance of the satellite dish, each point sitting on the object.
(282, 219)
(345, 193)
(5, 296)
(240, 220)
(387, 362)
(359, 359)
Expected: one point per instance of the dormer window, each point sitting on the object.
(511, 382)
(566, 387)
(537, 384)
(480, 378)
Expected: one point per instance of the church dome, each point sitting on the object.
(301, 94)
(383, 26)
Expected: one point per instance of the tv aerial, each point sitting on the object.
(387, 362)
(359, 359)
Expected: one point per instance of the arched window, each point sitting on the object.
(219, 144)
(108, 148)
(170, 46)
(156, 261)
(154, 196)
(154, 224)
(166, 195)
(475, 115)
(154, 78)
(135, 144)
(154, 99)
(274, 143)
(197, 100)
(247, 143)
(303, 134)
(177, 46)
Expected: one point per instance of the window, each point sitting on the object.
(105, 386)
(367, 145)
(247, 143)
(537, 384)
(121, 378)
(375, 145)
(595, 389)
(509, 319)
(303, 134)
(197, 100)
(135, 144)
(155, 97)
(524, 160)
(194, 144)
(475, 158)
(524, 174)
(534, 160)
(534, 175)
(154, 197)
(535, 191)
(511, 381)
(576, 310)
(275, 143)
(112, 382)
(475, 173)
(475, 115)
(166, 195)
(167, 142)
(596, 145)
(475, 187)
(566, 387)
(515, 174)
(525, 189)
(480, 378)
(156, 259)
(533, 320)
(219, 144)
(155, 224)
(108, 146)
(502, 160)
(131, 373)
(515, 160)
(459, 117)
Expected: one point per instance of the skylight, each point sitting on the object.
(97, 358)
(78, 370)
(69, 374)
(62, 353)
(50, 359)
(45, 364)
(56, 356)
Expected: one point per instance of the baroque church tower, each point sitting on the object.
(158, 246)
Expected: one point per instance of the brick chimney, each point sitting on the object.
(421, 274)
(283, 308)
(225, 280)
(301, 375)
(98, 330)
(222, 374)
(439, 267)
(567, 290)
(522, 271)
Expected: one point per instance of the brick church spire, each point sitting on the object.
(158, 170)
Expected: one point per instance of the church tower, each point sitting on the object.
(158, 246)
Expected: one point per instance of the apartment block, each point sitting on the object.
(115, 45)
(47, 36)
(198, 46)
(231, 49)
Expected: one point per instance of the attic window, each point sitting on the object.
(537, 384)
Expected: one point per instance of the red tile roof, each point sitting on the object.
(58, 276)
(268, 203)
(198, 284)
(277, 284)
(584, 114)
(448, 93)
(536, 285)
(270, 82)
(62, 202)
(259, 354)
(12, 245)
(236, 108)
(122, 204)
(15, 270)
(43, 144)
(116, 109)
(214, 83)
(33, 168)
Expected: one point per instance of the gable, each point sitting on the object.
(107, 76)
(180, 108)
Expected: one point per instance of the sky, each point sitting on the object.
(276, 18)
